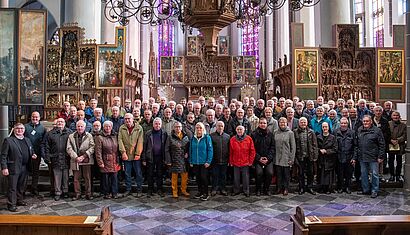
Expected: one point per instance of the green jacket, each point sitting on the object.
(132, 143)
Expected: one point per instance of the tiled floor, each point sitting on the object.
(220, 215)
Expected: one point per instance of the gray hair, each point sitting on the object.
(108, 123)
(157, 119)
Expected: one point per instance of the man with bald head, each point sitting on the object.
(35, 132)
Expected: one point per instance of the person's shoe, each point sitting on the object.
(311, 191)
(399, 179)
(340, 191)
(198, 196)
(160, 193)
(57, 198)
(279, 191)
(258, 193)
(363, 193)
(213, 193)
(12, 208)
(391, 179)
(267, 193)
(285, 192)
(205, 197)
(328, 192)
(65, 195)
(348, 191)
(185, 194)
(22, 203)
(374, 195)
(235, 194)
(247, 194)
(76, 197)
(383, 180)
(89, 197)
(127, 193)
(224, 193)
(301, 191)
(115, 196)
(108, 196)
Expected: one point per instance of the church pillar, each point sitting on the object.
(407, 156)
(282, 32)
(332, 12)
(269, 56)
(133, 34)
(107, 28)
(4, 3)
(87, 14)
(307, 17)
(4, 130)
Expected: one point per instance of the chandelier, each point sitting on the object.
(209, 16)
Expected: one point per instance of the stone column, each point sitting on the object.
(4, 130)
(282, 32)
(307, 17)
(4, 3)
(107, 28)
(87, 14)
(332, 12)
(407, 156)
(269, 47)
(133, 39)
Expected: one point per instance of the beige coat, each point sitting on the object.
(87, 147)
(131, 144)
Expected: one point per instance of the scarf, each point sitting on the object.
(240, 138)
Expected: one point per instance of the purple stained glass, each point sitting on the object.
(250, 43)
(165, 39)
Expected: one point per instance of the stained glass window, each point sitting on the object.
(250, 43)
(166, 35)
(360, 20)
(378, 23)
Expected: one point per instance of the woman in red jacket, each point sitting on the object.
(242, 154)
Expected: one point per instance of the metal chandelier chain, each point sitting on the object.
(154, 12)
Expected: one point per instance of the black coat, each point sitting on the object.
(311, 145)
(11, 155)
(235, 123)
(264, 145)
(147, 155)
(327, 160)
(220, 144)
(175, 150)
(55, 144)
(385, 128)
(345, 143)
(370, 144)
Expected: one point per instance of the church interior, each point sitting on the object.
(346, 58)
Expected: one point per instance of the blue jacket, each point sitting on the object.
(317, 125)
(201, 150)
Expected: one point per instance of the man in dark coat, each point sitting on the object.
(220, 143)
(56, 156)
(370, 151)
(383, 124)
(35, 132)
(264, 141)
(345, 140)
(239, 120)
(153, 156)
(306, 155)
(16, 154)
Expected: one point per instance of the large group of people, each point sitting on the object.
(321, 145)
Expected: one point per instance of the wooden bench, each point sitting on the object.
(57, 225)
(350, 225)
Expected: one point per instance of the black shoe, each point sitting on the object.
(127, 193)
(198, 196)
(108, 196)
(348, 191)
(12, 208)
(35, 192)
(115, 196)
(339, 191)
(374, 195)
(301, 191)
(246, 194)
(311, 191)
(399, 179)
(22, 203)
(139, 194)
(328, 192)
(57, 198)
(65, 195)
(363, 193)
(224, 193)
(391, 179)
(267, 193)
(235, 194)
(258, 193)
(213, 193)
(76, 197)
(89, 197)
(205, 197)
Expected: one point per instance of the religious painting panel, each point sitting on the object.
(53, 66)
(71, 97)
(238, 76)
(7, 56)
(51, 114)
(88, 65)
(306, 66)
(390, 67)
(237, 62)
(166, 62)
(217, 71)
(177, 77)
(111, 63)
(223, 45)
(166, 77)
(53, 100)
(178, 63)
(31, 60)
(192, 46)
(70, 38)
(249, 62)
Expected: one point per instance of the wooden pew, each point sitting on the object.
(57, 225)
(350, 225)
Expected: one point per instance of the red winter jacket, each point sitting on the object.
(242, 153)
